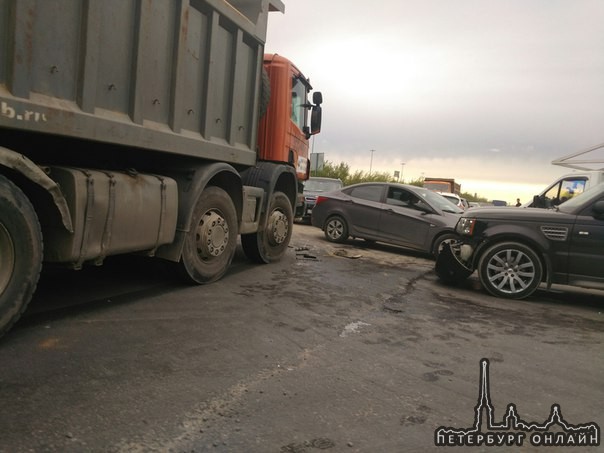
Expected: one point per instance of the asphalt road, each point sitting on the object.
(343, 348)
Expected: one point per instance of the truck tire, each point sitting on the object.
(271, 243)
(510, 269)
(210, 244)
(20, 253)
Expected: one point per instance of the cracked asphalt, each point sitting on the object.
(351, 347)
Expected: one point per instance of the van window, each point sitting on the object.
(565, 190)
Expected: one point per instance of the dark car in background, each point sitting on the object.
(409, 216)
(514, 249)
(315, 186)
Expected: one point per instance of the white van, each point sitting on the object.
(572, 184)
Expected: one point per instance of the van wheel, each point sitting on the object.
(511, 270)
(270, 244)
(336, 229)
(210, 244)
(20, 253)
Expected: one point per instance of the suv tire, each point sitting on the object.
(511, 270)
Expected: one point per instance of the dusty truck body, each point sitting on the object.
(133, 127)
(442, 185)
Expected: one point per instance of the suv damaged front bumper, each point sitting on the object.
(451, 262)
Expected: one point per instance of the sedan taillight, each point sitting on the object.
(320, 199)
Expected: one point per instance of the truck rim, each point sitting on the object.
(511, 271)
(212, 235)
(278, 226)
(7, 258)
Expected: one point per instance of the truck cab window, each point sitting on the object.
(298, 113)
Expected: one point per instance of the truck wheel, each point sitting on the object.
(336, 229)
(212, 238)
(271, 243)
(20, 253)
(511, 270)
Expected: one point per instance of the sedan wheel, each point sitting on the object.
(336, 229)
(510, 270)
(446, 238)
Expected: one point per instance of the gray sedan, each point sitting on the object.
(409, 216)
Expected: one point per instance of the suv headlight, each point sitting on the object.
(465, 226)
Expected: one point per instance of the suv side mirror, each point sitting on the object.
(598, 209)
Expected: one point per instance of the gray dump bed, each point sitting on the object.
(179, 76)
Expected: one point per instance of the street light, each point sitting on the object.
(402, 168)
(371, 161)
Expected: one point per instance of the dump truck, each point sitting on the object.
(158, 128)
(442, 185)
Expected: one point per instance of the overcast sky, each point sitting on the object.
(488, 92)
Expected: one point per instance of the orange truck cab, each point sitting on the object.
(284, 129)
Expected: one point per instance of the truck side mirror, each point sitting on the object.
(317, 98)
(315, 119)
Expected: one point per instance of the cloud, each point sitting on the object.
(451, 80)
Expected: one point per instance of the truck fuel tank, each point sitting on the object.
(112, 213)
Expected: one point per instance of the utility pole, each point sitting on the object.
(402, 168)
(371, 161)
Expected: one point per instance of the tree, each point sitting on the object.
(341, 171)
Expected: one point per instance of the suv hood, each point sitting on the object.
(520, 214)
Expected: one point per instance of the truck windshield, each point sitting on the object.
(298, 101)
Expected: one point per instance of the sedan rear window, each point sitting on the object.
(369, 193)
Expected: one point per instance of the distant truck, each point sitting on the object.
(588, 173)
(442, 185)
(157, 128)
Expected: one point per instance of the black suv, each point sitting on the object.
(515, 249)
